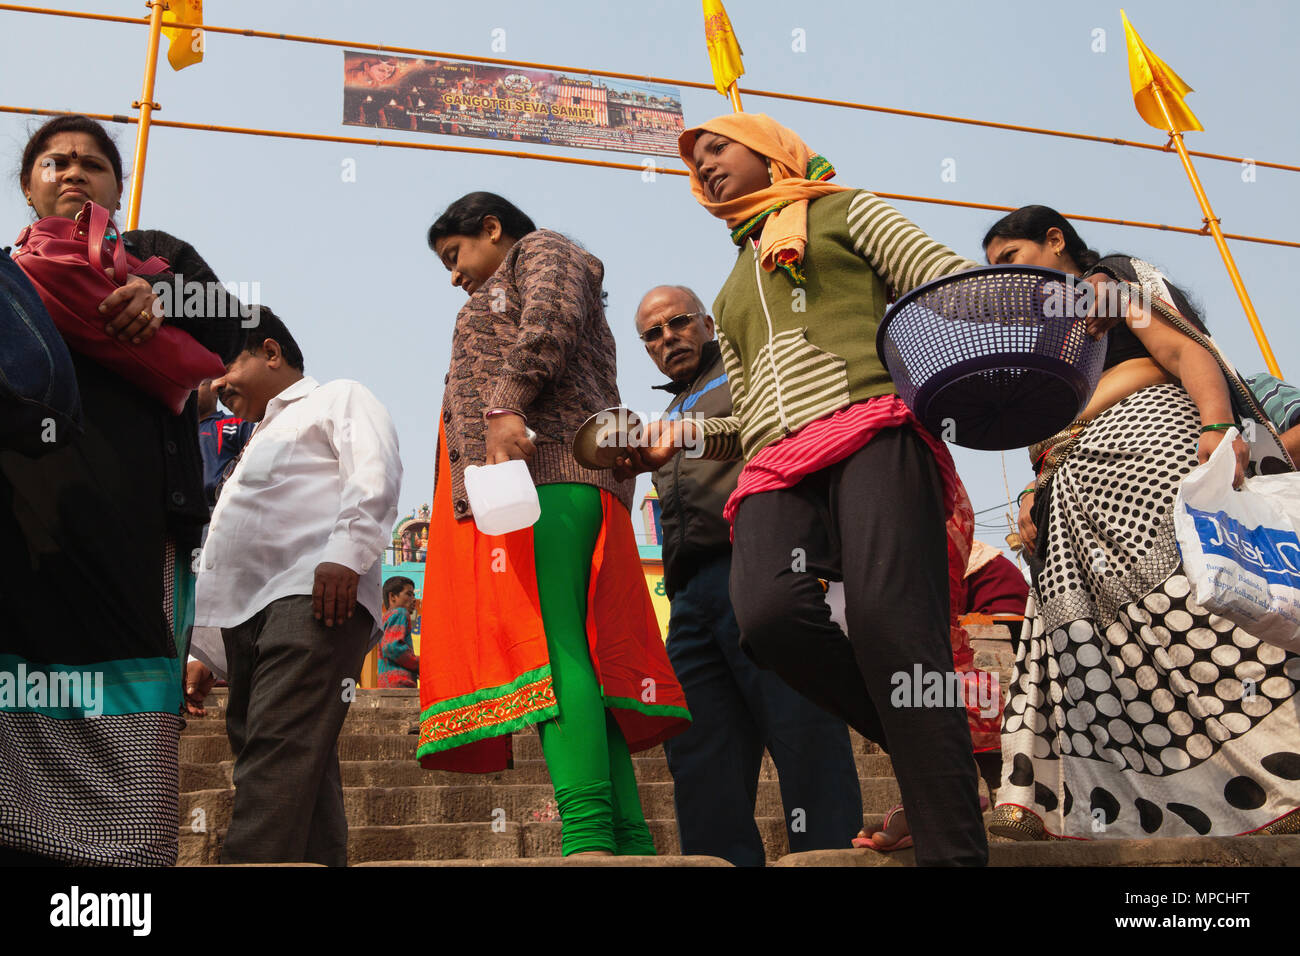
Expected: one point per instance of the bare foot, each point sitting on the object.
(592, 853)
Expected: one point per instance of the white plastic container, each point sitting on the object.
(502, 497)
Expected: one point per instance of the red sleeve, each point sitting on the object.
(997, 588)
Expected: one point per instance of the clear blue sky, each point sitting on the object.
(346, 265)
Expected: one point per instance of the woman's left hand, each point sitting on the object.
(129, 310)
(507, 439)
(1210, 441)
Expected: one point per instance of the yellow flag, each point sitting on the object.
(185, 45)
(724, 51)
(1146, 71)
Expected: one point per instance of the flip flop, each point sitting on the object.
(867, 843)
(903, 842)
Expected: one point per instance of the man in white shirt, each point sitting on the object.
(290, 573)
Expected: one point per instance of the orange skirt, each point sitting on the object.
(484, 667)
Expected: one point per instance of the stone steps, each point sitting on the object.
(550, 861)
(402, 815)
(1190, 852)
(389, 722)
(526, 745)
(517, 803)
(467, 841)
(398, 811)
(538, 844)
(214, 748)
(407, 773)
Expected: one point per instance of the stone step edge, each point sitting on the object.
(568, 861)
(445, 787)
(1228, 851)
(1272, 851)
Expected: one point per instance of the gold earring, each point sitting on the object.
(29, 200)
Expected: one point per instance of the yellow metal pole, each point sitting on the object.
(1212, 222)
(733, 91)
(146, 106)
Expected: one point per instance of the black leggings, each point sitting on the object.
(875, 521)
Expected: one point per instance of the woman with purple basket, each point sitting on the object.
(1133, 712)
(841, 481)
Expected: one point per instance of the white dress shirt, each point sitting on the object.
(318, 481)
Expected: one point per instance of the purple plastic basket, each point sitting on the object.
(993, 358)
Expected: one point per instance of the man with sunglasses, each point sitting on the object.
(738, 709)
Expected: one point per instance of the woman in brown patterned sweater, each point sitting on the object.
(550, 626)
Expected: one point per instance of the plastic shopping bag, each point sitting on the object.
(1241, 549)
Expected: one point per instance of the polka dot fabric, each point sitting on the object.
(1133, 711)
(1116, 542)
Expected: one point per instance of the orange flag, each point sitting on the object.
(185, 44)
(1146, 72)
(724, 49)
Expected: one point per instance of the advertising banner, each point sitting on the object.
(509, 105)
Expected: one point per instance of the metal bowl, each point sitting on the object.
(603, 436)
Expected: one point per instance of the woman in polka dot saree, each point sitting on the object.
(1133, 712)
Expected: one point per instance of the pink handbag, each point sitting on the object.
(65, 260)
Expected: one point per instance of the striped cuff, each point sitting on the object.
(721, 438)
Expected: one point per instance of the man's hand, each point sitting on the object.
(507, 440)
(630, 463)
(661, 441)
(130, 310)
(198, 681)
(334, 595)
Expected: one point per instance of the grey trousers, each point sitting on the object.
(288, 698)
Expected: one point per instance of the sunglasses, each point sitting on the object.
(677, 323)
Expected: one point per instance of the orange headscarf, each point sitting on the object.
(798, 175)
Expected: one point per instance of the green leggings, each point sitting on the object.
(588, 759)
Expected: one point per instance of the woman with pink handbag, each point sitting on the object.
(96, 540)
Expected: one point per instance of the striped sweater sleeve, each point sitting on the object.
(901, 254)
(722, 434)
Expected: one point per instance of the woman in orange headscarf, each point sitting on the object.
(840, 481)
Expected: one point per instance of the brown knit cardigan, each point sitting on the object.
(533, 339)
